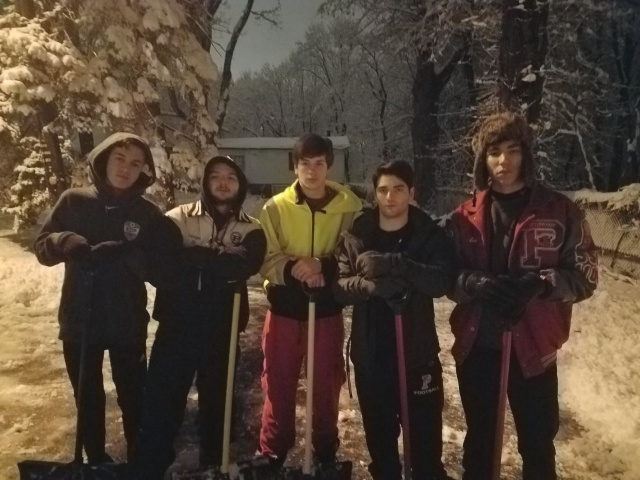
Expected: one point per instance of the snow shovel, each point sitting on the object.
(334, 471)
(402, 385)
(223, 471)
(502, 403)
(77, 469)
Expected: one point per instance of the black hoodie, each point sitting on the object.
(106, 293)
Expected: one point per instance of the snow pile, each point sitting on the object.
(600, 381)
(627, 198)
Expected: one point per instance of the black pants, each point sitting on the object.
(179, 353)
(380, 406)
(533, 402)
(128, 368)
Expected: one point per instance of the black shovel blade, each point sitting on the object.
(212, 473)
(331, 471)
(261, 469)
(258, 468)
(42, 470)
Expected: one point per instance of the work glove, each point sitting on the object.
(374, 264)
(486, 286)
(75, 247)
(106, 251)
(510, 308)
(385, 287)
(531, 285)
(524, 289)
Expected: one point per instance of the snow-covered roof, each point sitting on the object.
(279, 143)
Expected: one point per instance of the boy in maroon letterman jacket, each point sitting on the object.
(525, 256)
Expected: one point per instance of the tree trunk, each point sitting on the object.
(425, 130)
(424, 127)
(47, 113)
(625, 54)
(523, 48)
(225, 82)
(86, 142)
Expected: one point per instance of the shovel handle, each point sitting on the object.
(231, 366)
(404, 403)
(311, 333)
(396, 302)
(502, 403)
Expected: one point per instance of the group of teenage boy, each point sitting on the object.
(514, 257)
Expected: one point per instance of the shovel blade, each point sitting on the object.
(43, 470)
(331, 471)
(201, 474)
(258, 468)
(261, 469)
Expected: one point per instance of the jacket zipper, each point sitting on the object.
(313, 230)
(211, 240)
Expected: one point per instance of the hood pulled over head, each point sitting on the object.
(205, 195)
(98, 157)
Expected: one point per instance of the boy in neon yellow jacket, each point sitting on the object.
(302, 226)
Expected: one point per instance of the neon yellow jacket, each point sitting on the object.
(293, 230)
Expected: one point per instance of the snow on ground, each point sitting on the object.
(599, 386)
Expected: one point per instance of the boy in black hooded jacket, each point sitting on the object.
(102, 234)
(396, 250)
(222, 248)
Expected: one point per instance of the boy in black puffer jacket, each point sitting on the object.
(392, 251)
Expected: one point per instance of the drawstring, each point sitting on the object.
(473, 201)
(348, 368)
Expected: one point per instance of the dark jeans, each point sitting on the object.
(179, 353)
(128, 368)
(380, 406)
(533, 402)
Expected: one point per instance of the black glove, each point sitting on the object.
(75, 247)
(374, 264)
(197, 257)
(531, 285)
(486, 286)
(106, 251)
(385, 287)
(522, 290)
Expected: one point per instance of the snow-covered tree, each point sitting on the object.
(35, 184)
(78, 67)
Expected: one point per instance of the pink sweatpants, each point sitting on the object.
(284, 343)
